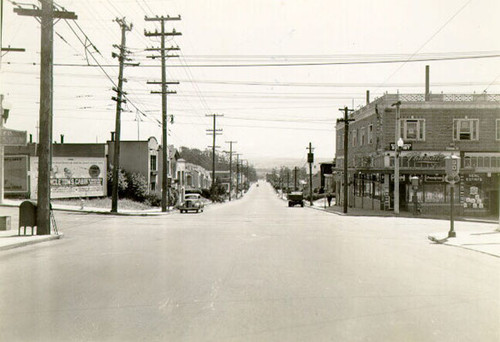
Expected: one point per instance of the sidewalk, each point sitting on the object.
(487, 241)
(9, 239)
(320, 204)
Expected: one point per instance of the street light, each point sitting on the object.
(398, 147)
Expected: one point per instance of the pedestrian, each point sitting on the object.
(329, 197)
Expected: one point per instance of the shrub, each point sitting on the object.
(122, 183)
(153, 200)
(137, 189)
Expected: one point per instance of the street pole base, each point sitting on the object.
(452, 234)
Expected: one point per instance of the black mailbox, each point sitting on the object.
(27, 216)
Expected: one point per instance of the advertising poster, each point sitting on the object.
(73, 177)
(16, 174)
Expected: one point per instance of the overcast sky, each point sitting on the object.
(272, 111)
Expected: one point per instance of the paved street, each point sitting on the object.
(249, 270)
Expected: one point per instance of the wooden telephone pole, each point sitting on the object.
(231, 142)
(122, 57)
(346, 121)
(165, 188)
(47, 14)
(214, 132)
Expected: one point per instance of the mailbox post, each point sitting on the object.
(452, 167)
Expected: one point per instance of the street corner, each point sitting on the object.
(10, 239)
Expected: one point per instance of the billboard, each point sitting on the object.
(73, 177)
(16, 174)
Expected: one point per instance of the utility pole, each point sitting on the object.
(346, 121)
(288, 180)
(47, 14)
(165, 188)
(237, 173)
(295, 170)
(122, 57)
(231, 142)
(396, 158)
(310, 160)
(214, 132)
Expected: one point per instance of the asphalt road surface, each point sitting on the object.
(249, 270)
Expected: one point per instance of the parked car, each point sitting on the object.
(295, 197)
(191, 202)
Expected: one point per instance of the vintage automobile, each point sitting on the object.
(295, 197)
(191, 202)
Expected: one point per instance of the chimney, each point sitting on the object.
(62, 138)
(31, 138)
(112, 136)
(367, 97)
(427, 85)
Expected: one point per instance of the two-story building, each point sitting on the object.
(432, 127)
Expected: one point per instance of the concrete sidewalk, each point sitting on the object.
(487, 242)
(10, 239)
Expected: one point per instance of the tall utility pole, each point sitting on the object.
(396, 158)
(237, 173)
(122, 57)
(295, 170)
(165, 189)
(47, 15)
(288, 180)
(231, 142)
(346, 121)
(310, 160)
(214, 132)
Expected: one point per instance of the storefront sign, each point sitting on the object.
(433, 178)
(405, 147)
(473, 178)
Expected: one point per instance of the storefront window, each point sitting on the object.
(378, 187)
(368, 189)
(434, 193)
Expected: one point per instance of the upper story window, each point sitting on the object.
(370, 134)
(362, 137)
(466, 129)
(354, 137)
(413, 129)
(498, 129)
(152, 163)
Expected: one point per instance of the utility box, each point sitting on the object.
(27, 216)
(4, 222)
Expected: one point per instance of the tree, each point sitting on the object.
(122, 182)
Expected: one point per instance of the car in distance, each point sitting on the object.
(192, 202)
(295, 197)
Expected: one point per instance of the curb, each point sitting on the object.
(31, 242)
(461, 219)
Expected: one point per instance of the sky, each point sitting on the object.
(225, 67)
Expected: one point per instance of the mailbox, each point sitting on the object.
(27, 216)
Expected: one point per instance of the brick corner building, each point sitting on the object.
(432, 127)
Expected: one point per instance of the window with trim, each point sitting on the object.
(370, 134)
(498, 129)
(413, 129)
(362, 137)
(152, 164)
(466, 129)
(354, 137)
